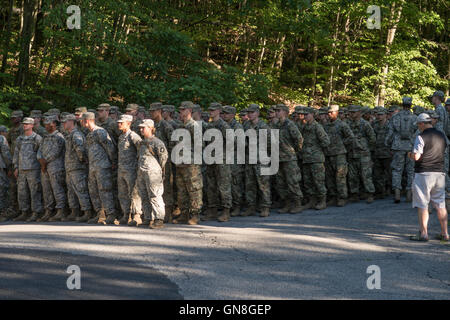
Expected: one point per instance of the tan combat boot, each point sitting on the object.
(87, 215)
(33, 217)
(236, 211)
(353, 197)
(193, 218)
(110, 219)
(22, 217)
(408, 196)
(321, 203)
(265, 212)
(125, 218)
(225, 216)
(75, 213)
(331, 202)
(286, 208)
(249, 212)
(60, 214)
(369, 198)
(211, 214)
(157, 224)
(341, 202)
(396, 196)
(296, 207)
(182, 218)
(48, 214)
(311, 203)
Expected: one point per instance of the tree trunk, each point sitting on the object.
(333, 58)
(25, 41)
(7, 37)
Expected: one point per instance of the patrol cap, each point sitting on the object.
(365, 109)
(17, 114)
(142, 109)
(28, 120)
(185, 105)
(433, 114)
(323, 110)
(438, 93)
(253, 107)
(114, 110)
(132, 107)
(125, 117)
(54, 111)
(103, 106)
(281, 106)
(168, 108)
(393, 108)
(243, 112)
(155, 106)
(80, 110)
(381, 111)
(307, 110)
(447, 102)
(229, 109)
(407, 101)
(423, 117)
(88, 116)
(333, 107)
(3, 129)
(197, 108)
(36, 114)
(50, 119)
(298, 109)
(354, 108)
(69, 117)
(205, 114)
(215, 106)
(63, 114)
(147, 123)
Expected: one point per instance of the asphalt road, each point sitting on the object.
(311, 255)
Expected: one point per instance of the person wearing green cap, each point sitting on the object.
(14, 132)
(37, 115)
(382, 157)
(360, 162)
(103, 120)
(5, 171)
(399, 138)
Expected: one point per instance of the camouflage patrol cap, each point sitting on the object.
(393, 108)
(407, 101)
(282, 106)
(447, 102)
(253, 107)
(69, 117)
(125, 117)
(63, 114)
(80, 110)
(36, 114)
(142, 109)
(205, 114)
(354, 108)
(229, 109)
(168, 108)
(197, 108)
(333, 107)
(433, 114)
(88, 116)
(155, 106)
(17, 114)
(298, 109)
(186, 105)
(307, 110)
(215, 106)
(114, 110)
(132, 107)
(3, 129)
(147, 123)
(272, 109)
(365, 109)
(54, 111)
(243, 112)
(381, 111)
(50, 119)
(28, 120)
(103, 106)
(439, 94)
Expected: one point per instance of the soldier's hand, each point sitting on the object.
(16, 173)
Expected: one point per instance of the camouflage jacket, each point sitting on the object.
(164, 133)
(235, 125)
(102, 152)
(40, 130)
(25, 152)
(340, 136)
(222, 126)
(135, 126)
(76, 154)
(401, 130)
(152, 153)
(194, 129)
(443, 122)
(5, 154)
(260, 125)
(111, 126)
(12, 136)
(290, 140)
(315, 141)
(381, 150)
(365, 138)
(53, 149)
(128, 146)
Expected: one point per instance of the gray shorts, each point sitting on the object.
(428, 186)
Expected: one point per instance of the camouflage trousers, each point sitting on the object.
(77, 190)
(4, 184)
(314, 179)
(382, 174)
(237, 184)
(257, 185)
(447, 176)
(29, 187)
(205, 186)
(336, 169)
(101, 190)
(127, 192)
(169, 182)
(150, 186)
(287, 182)
(13, 196)
(218, 179)
(54, 189)
(401, 162)
(189, 182)
(360, 172)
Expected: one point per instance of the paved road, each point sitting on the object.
(312, 255)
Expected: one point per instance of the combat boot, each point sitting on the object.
(332, 202)
(397, 196)
(236, 211)
(60, 214)
(48, 214)
(157, 224)
(193, 218)
(296, 208)
(211, 214)
(12, 213)
(285, 209)
(369, 198)
(265, 212)
(34, 217)
(4, 216)
(110, 219)
(182, 218)
(75, 213)
(124, 219)
(22, 217)
(353, 197)
(321, 203)
(87, 215)
(408, 196)
(168, 214)
(176, 212)
(276, 205)
(341, 202)
(311, 202)
(137, 220)
(363, 196)
(94, 219)
(225, 216)
(249, 212)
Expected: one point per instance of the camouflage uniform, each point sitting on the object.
(5, 165)
(52, 150)
(382, 159)
(29, 178)
(360, 163)
(111, 127)
(11, 137)
(336, 165)
(76, 163)
(443, 126)
(152, 158)
(237, 173)
(400, 139)
(102, 156)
